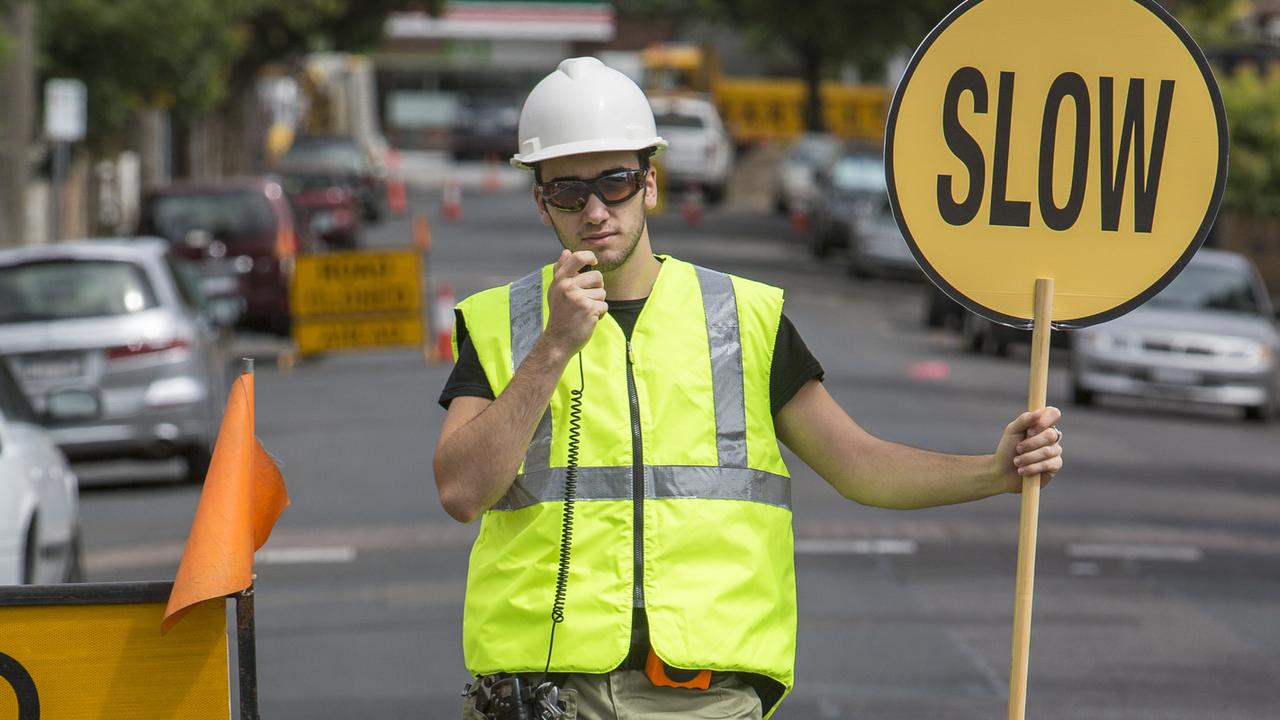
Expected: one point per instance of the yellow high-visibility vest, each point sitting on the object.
(683, 499)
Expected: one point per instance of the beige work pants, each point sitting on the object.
(628, 695)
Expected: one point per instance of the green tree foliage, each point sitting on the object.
(190, 56)
(1210, 22)
(1252, 101)
(133, 54)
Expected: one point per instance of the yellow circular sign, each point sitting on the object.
(1082, 141)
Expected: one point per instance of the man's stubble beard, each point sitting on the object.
(632, 242)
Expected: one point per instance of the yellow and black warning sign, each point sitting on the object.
(1082, 141)
(357, 283)
(316, 335)
(357, 299)
(84, 651)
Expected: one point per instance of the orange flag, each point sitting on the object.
(243, 495)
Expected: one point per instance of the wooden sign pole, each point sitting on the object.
(1025, 585)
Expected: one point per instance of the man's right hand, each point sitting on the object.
(576, 301)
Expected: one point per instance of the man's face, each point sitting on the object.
(611, 232)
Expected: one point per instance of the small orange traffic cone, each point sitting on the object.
(691, 208)
(451, 201)
(421, 233)
(799, 219)
(492, 182)
(397, 198)
(442, 321)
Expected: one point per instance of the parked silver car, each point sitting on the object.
(851, 188)
(39, 498)
(116, 348)
(876, 246)
(1209, 337)
(797, 173)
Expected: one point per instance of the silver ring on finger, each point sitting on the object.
(1059, 440)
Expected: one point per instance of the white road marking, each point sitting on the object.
(1166, 553)
(855, 547)
(306, 555)
(1083, 569)
(995, 682)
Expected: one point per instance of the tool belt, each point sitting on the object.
(517, 697)
(503, 696)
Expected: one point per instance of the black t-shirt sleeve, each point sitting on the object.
(468, 378)
(793, 366)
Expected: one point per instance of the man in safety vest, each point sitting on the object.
(673, 569)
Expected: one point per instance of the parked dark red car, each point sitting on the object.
(343, 155)
(328, 204)
(242, 233)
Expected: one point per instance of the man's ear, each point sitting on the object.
(651, 188)
(543, 214)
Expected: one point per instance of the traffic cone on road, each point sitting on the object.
(799, 219)
(442, 324)
(421, 233)
(492, 182)
(397, 198)
(691, 207)
(451, 201)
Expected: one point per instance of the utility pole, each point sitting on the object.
(17, 116)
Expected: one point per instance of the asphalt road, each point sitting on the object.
(1158, 587)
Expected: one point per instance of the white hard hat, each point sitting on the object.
(584, 107)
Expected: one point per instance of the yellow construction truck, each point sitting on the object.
(756, 109)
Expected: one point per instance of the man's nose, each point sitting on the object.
(596, 211)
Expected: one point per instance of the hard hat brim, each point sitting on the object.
(528, 160)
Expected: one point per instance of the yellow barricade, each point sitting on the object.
(773, 109)
(761, 109)
(857, 112)
(95, 651)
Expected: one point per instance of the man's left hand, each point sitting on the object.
(1031, 444)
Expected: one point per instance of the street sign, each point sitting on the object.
(356, 283)
(1082, 141)
(81, 651)
(318, 335)
(64, 110)
(357, 299)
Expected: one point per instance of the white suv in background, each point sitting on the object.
(700, 151)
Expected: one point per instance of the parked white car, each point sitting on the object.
(700, 151)
(39, 498)
(116, 349)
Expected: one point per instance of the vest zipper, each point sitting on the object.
(637, 482)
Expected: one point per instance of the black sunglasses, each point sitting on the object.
(613, 188)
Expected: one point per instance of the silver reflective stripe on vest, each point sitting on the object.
(525, 300)
(667, 481)
(594, 483)
(721, 483)
(726, 366)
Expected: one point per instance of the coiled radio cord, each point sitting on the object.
(566, 524)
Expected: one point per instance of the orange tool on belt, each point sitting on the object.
(662, 676)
